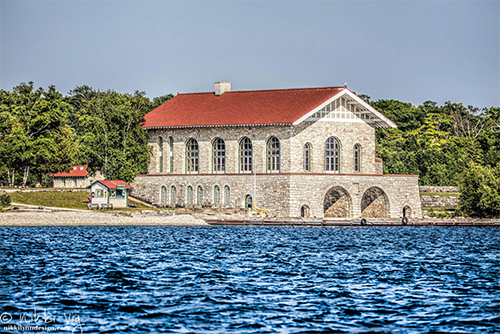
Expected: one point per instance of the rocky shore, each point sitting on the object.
(86, 217)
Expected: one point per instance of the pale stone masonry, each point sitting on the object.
(351, 187)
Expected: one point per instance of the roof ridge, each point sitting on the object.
(267, 90)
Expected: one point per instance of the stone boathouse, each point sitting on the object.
(302, 152)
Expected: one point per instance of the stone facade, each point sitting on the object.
(288, 193)
(341, 179)
(292, 140)
(366, 193)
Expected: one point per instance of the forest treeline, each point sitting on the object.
(42, 131)
(448, 145)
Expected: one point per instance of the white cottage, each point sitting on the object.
(112, 193)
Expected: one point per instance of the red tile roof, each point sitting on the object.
(280, 106)
(76, 171)
(111, 184)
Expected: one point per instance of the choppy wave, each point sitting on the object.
(243, 279)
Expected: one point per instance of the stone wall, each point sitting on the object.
(438, 189)
(439, 201)
(287, 193)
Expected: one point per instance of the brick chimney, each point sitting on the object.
(221, 87)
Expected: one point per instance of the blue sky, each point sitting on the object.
(407, 50)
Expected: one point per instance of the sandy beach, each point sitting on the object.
(85, 217)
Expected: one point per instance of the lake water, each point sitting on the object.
(244, 279)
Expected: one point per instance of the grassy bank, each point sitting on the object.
(440, 194)
(71, 200)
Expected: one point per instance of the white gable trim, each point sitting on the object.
(384, 121)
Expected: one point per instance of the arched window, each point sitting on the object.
(216, 195)
(173, 194)
(357, 158)
(160, 162)
(171, 151)
(248, 201)
(246, 155)
(163, 196)
(192, 156)
(227, 195)
(332, 155)
(190, 195)
(306, 160)
(219, 156)
(273, 155)
(200, 195)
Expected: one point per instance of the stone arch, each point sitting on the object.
(337, 203)
(407, 211)
(374, 203)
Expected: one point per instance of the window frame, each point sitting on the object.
(306, 157)
(192, 157)
(171, 149)
(357, 158)
(199, 195)
(245, 157)
(160, 155)
(273, 155)
(332, 155)
(163, 196)
(173, 195)
(190, 195)
(216, 195)
(219, 156)
(227, 195)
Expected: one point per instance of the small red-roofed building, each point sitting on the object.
(77, 177)
(306, 152)
(110, 192)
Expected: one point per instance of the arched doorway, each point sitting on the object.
(248, 201)
(374, 203)
(407, 211)
(305, 211)
(337, 203)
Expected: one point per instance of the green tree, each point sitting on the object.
(480, 192)
(110, 133)
(35, 134)
(158, 101)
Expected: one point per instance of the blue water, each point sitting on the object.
(241, 279)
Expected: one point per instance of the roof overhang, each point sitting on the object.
(212, 126)
(380, 121)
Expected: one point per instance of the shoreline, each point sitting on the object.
(93, 218)
(74, 217)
